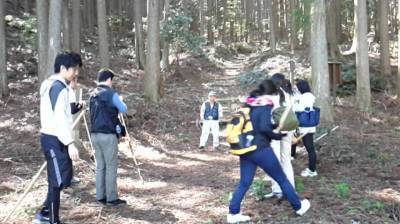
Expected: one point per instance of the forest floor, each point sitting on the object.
(358, 165)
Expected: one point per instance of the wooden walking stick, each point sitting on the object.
(36, 176)
(131, 147)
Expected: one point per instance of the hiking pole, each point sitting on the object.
(296, 140)
(131, 147)
(323, 135)
(89, 137)
(36, 176)
(326, 133)
(34, 179)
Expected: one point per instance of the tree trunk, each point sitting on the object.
(102, 32)
(66, 29)
(333, 50)
(76, 26)
(319, 60)
(152, 81)
(202, 18)
(272, 28)
(276, 19)
(398, 54)
(362, 62)
(4, 91)
(139, 39)
(165, 44)
(384, 37)
(307, 28)
(338, 22)
(294, 42)
(54, 34)
(42, 13)
(210, 30)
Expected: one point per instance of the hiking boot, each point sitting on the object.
(102, 201)
(41, 219)
(215, 148)
(116, 202)
(201, 147)
(273, 195)
(305, 205)
(308, 173)
(236, 218)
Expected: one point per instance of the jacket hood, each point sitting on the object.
(260, 101)
(48, 82)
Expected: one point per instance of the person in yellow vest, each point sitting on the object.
(210, 114)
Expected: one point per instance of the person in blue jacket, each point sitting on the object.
(105, 105)
(261, 104)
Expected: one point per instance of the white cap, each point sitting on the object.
(212, 93)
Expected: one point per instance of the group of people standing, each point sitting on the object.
(57, 105)
(275, 149)
(273, 153)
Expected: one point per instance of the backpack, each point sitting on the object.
(290, 123)
(239, 132)
(308, 117)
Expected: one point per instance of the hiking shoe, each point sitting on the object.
(215, 148)
(308, 173)
(236, 218)
(75, 180)
(201, 147)
(273, 195)
(102, 201)
(116, 202)
(305, 205)
(41, 219)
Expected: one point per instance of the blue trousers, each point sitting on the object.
(266, 159)
(59, 174)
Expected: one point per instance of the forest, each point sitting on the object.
(171, 56)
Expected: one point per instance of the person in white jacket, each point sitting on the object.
(282, 148)
(305, 100)
(56, 132)
(210, 114)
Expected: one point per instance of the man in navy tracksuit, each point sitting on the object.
(56, 133)
(105, 104)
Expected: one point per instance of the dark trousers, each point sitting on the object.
(308, 141)
(59, 174)
(266, 159)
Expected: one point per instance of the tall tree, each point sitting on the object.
(54, 34)
(152, 81)
(76, 26)
(272, 28)
(294, 41)
(319, 60)
(66, 28)
(210, 20)
(398, 54)
(102, 31)
(42, 13)
(4, 91)
(363, 94)
(384, 37)
(333, 49)
(202, 17)
(165, 44)
(139, 39)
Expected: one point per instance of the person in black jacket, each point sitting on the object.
(261, 104)
(105, 104)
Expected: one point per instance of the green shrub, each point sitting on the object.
(299, 185)
(258, 189)
(342, 190)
